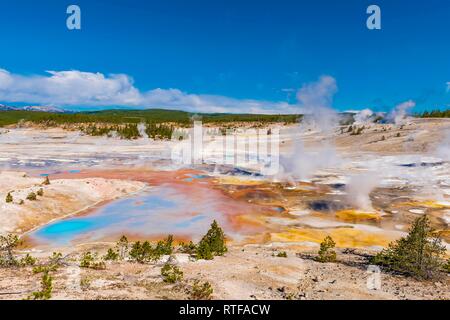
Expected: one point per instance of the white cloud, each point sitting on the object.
(76, 88)
(69, 88)
(448, 86)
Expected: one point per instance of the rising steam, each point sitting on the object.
(141, 128)
(359, 188)
(400, 113)
(315, 101)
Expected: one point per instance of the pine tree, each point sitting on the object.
(215, 239)
(46, 181)
(165, 247)
(111, 255)
(419, 254)
(144, 252)
(204, 251)
(122, 247)
(326, 252)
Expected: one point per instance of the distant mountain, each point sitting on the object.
(6, 108)
(31, 108)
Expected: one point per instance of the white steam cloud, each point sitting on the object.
(443, 149)
(303, 162)
(359, 188)
(363, 116)
(315, 100)
(400, 112)
(142, 130)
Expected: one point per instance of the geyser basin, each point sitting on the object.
(173, 204)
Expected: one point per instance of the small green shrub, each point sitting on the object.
(89, 260)
(44, 268)
(111, 255)
(419, 254)
(98, 265)
(32, 196)
(27, 261)
(188, 248)
(7, 245)
(56, 259)
(171, 273)
(282, 254)
(85, 283)
(46, 288)
(326, 252)
(201, 291)
(53, 263)
(86, 259)
(139, 252)
(9, 198)
(40, 192)
(144, 252)
(165, 247)
(447, 266)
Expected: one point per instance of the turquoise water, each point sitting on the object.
(57, 172)
(154, 212)
(193, 177)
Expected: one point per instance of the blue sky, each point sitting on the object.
(233, 55)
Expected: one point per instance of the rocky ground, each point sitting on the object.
(249, 272)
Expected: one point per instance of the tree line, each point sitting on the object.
(434, 114)
(156, 116)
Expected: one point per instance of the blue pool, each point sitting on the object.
(157, 211)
